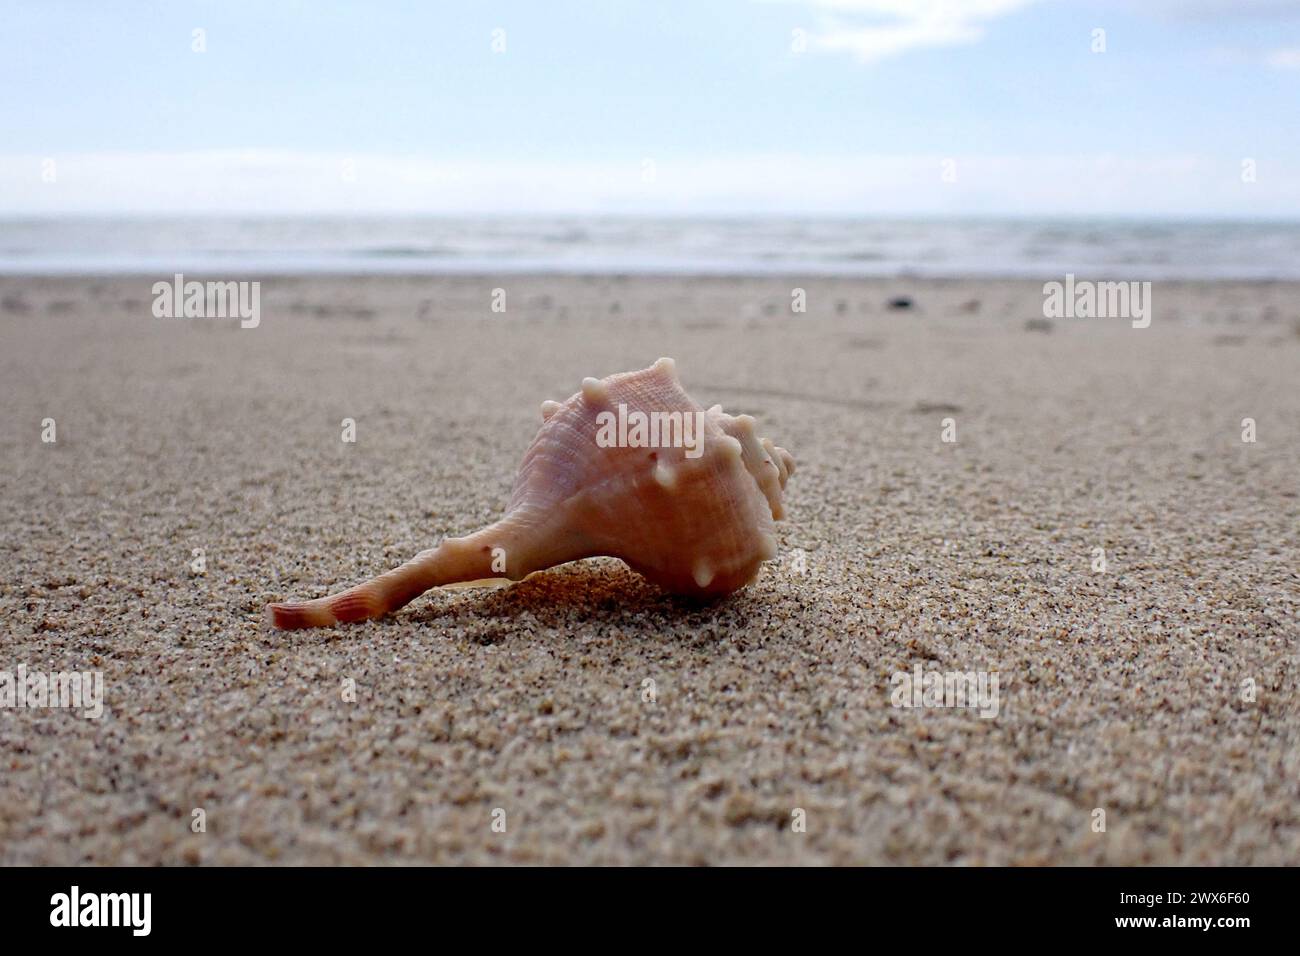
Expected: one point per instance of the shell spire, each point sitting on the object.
(630, 467)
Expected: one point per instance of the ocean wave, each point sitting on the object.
(1028, 248)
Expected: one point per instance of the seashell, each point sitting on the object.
(629, 467)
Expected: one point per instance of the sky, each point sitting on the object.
(897, 108)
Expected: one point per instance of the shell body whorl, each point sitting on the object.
(632, 467)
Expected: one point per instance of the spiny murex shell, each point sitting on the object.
(629, 467)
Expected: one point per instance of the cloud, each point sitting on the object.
(1282, 58)
(233, 182)
(1285, 59)
(1219, 9)
(872, 30)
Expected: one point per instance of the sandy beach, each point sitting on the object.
(1125, 690)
